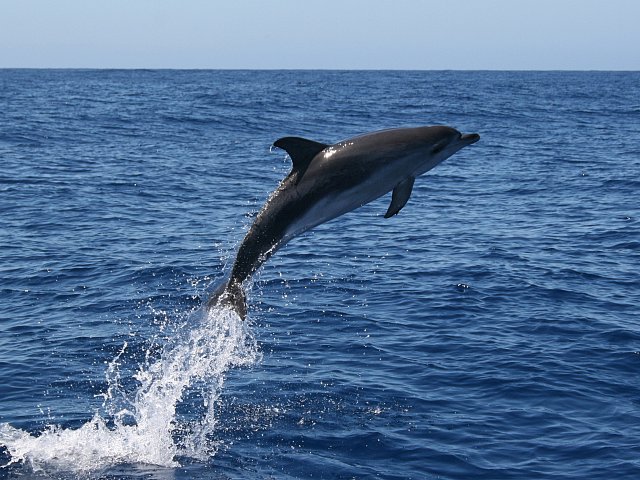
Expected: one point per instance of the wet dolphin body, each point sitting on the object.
(327, 181)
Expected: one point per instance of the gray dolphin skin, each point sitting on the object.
(327, 181)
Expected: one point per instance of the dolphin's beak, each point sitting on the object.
(469, 138)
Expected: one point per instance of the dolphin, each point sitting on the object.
(327, 181)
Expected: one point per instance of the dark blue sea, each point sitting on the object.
(491, 330)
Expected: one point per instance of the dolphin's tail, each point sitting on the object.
(230, 295)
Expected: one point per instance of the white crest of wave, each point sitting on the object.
(201, 357)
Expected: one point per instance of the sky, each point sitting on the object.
(322, 34)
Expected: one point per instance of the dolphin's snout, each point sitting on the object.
(470, 138)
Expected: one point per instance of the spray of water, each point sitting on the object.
(149, 430)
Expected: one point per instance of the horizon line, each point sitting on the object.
(275, 69)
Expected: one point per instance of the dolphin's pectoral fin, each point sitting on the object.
(400, 196)
(300, 150)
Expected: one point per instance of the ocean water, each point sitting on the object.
(491, 330)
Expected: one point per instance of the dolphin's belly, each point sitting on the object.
(334, 204)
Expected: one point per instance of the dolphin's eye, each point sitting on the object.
(438, 148)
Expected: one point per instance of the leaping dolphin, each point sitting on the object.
(327, 181)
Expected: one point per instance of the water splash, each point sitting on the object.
(149, 430)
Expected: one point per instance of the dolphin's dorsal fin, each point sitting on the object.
(300, 150)
(400, 196)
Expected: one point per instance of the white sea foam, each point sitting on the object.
(146, 430)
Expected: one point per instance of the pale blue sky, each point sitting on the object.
(342, 34)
